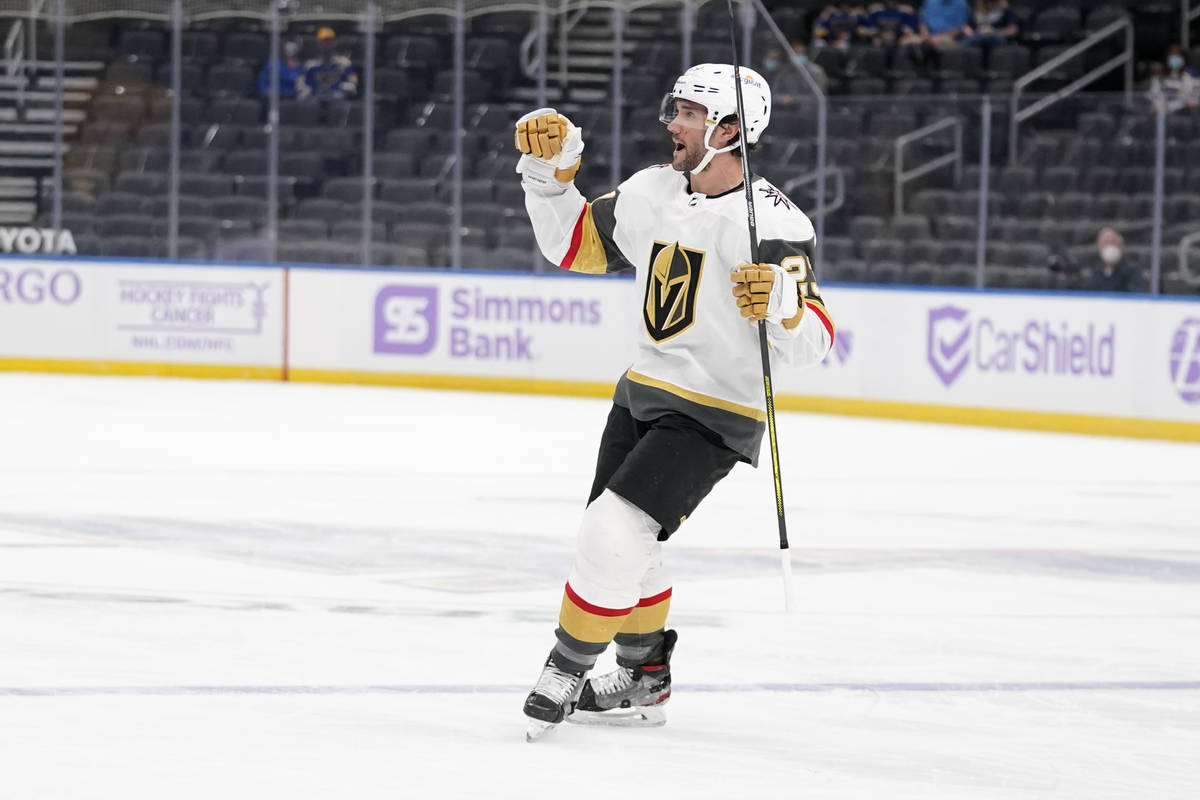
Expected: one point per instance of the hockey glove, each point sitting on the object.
(767, 291)
(550, 151)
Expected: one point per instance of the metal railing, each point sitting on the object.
(14, 60)
(1018, 115)
(902, 176)
(839, 196)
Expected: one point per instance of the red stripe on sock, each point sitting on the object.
(597, 610)
(653, 601)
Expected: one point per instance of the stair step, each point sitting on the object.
(597, 46)
(26, 162)
(48, 115)
(44, 96)
(68, 66)
(8, 114)
(35, 148)
(18, 207)
(29, 129)
(577, 62)
(554, 95)
(18, 188)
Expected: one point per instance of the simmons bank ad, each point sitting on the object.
(564, 328)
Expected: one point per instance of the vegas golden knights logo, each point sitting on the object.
(671, 287)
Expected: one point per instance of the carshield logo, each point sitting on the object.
(406, 319)
(1185, 360)
(949, 342)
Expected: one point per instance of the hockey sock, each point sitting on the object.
(640, 640)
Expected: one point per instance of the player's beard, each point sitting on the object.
(688, 158)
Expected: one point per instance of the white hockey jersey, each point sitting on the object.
(696, 354)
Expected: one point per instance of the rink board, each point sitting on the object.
(1056, 361)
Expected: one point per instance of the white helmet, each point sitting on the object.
(712, 86)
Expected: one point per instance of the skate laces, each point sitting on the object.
(616, 681)
(556, 684)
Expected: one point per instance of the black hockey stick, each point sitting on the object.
(789, 589)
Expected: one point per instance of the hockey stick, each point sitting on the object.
(785, 554)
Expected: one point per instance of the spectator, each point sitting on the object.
(1178, 83)
(839, 25)
(1114, 273)
(292, 85)
(891, 26)
(330, 75)
(944, 22)
(787, 84)
(996, 24)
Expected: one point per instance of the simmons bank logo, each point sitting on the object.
(956, 341)
(406, 319)
(1185, 360)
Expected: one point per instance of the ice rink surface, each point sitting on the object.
(259, 590)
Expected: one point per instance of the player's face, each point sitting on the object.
(687, 135)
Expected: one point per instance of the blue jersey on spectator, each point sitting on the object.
(835, 24)
(945, 15)
(334, 78)
(897, 20)
(290, 79)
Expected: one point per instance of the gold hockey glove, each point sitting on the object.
(767, 291)
(550, 148)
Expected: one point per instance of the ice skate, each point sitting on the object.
(628, 696)
(552, 699)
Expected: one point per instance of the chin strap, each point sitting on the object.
(712, 151)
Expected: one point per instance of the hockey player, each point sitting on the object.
(691, 405)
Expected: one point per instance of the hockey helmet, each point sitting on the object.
(712, 86)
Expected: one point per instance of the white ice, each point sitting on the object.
(260, 590)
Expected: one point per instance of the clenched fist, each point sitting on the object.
(541, 136)
(550, 149)
(766, 292)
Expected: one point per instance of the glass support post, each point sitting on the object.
(176, 125)
(985, 157)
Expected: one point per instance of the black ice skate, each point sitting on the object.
(552, 699)
(629, 696)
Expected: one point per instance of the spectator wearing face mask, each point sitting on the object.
(787, 84)
(1115, 272)
(292, 84)
(1178, 83)
(330, 75)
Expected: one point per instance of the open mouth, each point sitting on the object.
(679, 148)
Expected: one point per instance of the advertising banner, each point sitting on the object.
(130, 312)
(960, 355)
(569, 328)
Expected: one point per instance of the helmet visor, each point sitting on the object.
(684, 112)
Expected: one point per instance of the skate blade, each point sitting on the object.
(646, 717)
(536, 729)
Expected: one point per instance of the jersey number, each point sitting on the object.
(801, 267)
